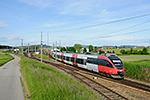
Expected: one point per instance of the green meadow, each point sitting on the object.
(137, 67)
(47, 83)
(4, 58)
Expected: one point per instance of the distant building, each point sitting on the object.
(87, 49)
(110, 48)
(16, 49)
(102, 50)
(104, 47)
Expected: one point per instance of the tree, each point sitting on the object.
(77, 47)
(122, 51)
(100, 52)
(33, 47)
(72, 49)
(144, 51)
(131, 50)
(63, 49)
(84, 50)
(135, 52)
(90, 48)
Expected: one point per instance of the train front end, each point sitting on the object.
(118, 67)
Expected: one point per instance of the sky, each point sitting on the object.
(85, 22)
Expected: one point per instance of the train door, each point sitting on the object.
(91, 64)
(74, 56)
(81, 61)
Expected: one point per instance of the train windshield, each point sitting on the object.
(117, 62)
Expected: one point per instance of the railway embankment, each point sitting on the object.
(137, 67)
(47, 83)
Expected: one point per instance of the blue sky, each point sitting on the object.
(64, 18)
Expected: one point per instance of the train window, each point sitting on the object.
(77, 60)
(67, 58)
(63, 57)
(117, 62)
(99, 61)
(72, 59)
(80, 61)
(89, 60)
(57, 56)
(108, 64)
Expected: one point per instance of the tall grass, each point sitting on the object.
(139, 70)
(46, 83)
(4, 58)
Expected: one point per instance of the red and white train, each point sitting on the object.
(108, 64)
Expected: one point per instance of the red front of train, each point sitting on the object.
(113, 66)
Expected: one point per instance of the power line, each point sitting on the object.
(125, 33)
(120, 20)
(130, 27)
(110, 34)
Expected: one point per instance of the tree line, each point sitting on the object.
(131, 51)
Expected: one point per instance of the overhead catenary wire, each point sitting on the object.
(115, 21)
(111, 33)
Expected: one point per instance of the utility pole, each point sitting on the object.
(56, 52)
(35, 48)
(48, 42)
(22, 46)
(41, 46)
(48, 38)
(28, 49)
(53, 47)
(149, 43)
(59, 44)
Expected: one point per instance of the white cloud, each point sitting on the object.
(104, 10)
(3, 24)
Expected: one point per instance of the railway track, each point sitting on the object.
(105, 93)
(126, 82)
(102, 90)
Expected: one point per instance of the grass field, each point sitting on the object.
(135, 57)
(137, 67)
(4, 58)
(46, 83)
(117, 51)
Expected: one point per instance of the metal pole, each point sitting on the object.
(53, 47)
(22, 47)
(41, 46)
(35, 48)
(56, 51)
(59, 44)
(28, 49)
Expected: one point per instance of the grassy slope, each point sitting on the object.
(4, 58)
(46, 83)
(137, 67)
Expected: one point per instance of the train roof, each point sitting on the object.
(93, 54)
(109, 54)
